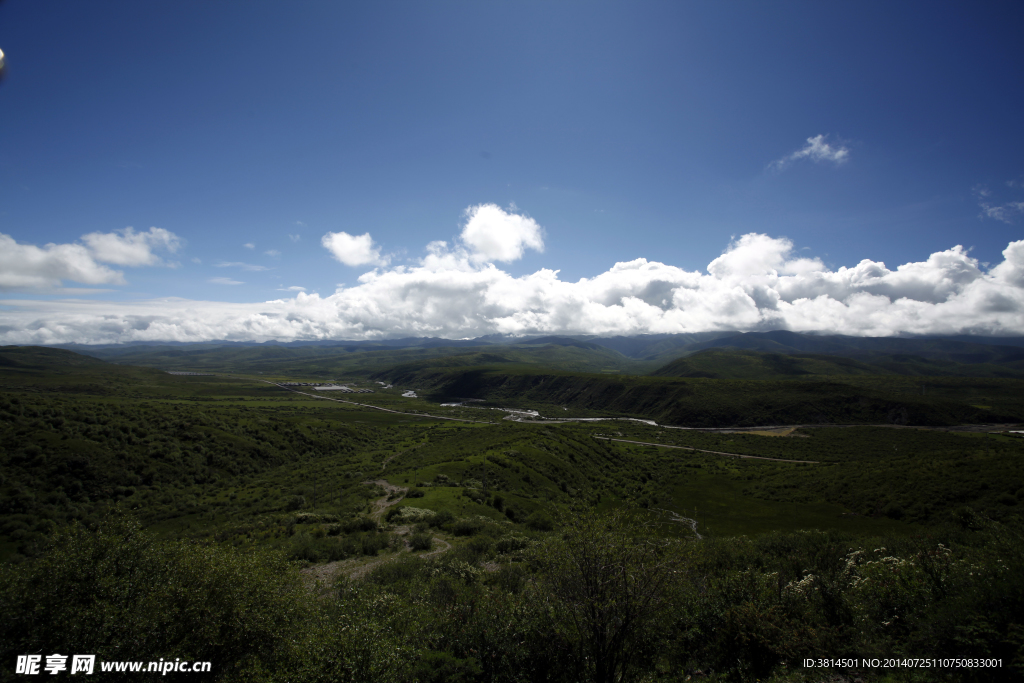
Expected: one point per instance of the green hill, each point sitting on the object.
(742, 364)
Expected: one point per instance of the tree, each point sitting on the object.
(607, 577)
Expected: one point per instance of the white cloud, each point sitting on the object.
(272, 252)
(249, 245)
(1004, 212)
(129, 248)
(759, 282)
(817, 150)
(239, 264)
(1007, 212)
(353, 250)
(224, 281)
(295, 238)
(26, 266)
(293, 288)
(29, 267)
(495, 235)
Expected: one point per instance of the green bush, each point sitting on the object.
(421, 541)
(359, 524)
(441, 518)
(120, 595)
(539, 521)
(508, 544)
(467, 527)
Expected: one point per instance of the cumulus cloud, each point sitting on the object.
(353, 250)
(758, 283)
(29, 267)
(249, 245)
(272, 252)
(129, 248)
(492, 234)
(817, 150)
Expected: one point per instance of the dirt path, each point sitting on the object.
(676, 517)
(382, 504)
(364, 569)
(357, 568)
(701, 450)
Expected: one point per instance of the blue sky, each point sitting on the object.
(611, 131)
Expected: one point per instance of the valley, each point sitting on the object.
(459, 478)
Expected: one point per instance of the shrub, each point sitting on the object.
(414, 493)
(441, 518)
(119, 594)
(359, 524)
(371, 543)
(467, 527)
(508, 544)
(442, 667)
(456, 569)
(511, 578)
(409, 514)
(399, 571)
(473, 494)
(421, 541)
(539, 521)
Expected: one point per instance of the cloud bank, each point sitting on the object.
(758, 283)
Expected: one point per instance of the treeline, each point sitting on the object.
(597, 600)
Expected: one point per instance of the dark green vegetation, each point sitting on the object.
(598, 600)
(472, 556)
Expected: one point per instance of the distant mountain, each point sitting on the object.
(640, 354)
(43, 358)
(728, 363)
(953, 350)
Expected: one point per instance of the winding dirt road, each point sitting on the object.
(701, 450)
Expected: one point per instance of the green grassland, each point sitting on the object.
(240, 482)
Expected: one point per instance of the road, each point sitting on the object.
(701, 450)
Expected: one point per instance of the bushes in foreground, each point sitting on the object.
(597, 600)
